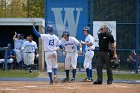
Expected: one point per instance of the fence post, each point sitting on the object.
(137, 34)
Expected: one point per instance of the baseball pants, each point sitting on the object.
(88, 59)
(71, 60)
(104, 58)
(29, 58)
(18, 55)
(51, 60)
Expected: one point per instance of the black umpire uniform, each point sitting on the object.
(104, 56)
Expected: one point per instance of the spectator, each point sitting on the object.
(132, 61)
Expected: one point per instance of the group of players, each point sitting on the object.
(23, 54)
(68, 44)
(25, 50)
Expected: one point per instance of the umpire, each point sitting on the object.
(105, 39)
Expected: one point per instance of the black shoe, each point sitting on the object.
(30, 71)
(91, 79)
(97, 82)
(109, 82)
(65, 80)
(87, 80)
(72, 80)
(51, 82)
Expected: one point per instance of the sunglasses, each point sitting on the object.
(101, 29)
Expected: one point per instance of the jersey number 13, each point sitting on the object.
(51, 42)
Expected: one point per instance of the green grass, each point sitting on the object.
(18, 74)
(115, 76)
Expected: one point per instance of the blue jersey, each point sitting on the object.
(11, 52)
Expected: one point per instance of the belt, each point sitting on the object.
(71, 52)
(89, 50)
(104, 50)
(50, 51)
(17, 48)
(29, 52)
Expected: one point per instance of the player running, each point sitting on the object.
(90, 46)
(70, 45)
(51, 43)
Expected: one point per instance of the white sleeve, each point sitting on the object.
(36, 46)
(76, 41)
(61, 42)
(43, 36)
(91, 40)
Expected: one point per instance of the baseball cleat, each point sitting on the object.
(109, 82)
(30, 71)
(51, 82)
(97, 82)
(65, 80)
(91, 79)
(55, 80)
(72, 80)
(87, 80)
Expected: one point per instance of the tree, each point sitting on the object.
(34, 8)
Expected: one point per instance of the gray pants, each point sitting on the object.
(104, 58)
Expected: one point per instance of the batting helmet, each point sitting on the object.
(49, 28)
(86, 28)
(115, 63)
(66, 33)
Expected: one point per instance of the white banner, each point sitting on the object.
(97, 25)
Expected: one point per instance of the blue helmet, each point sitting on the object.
(66, 33)
(86, 28)
(49, 28)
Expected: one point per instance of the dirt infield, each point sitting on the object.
(78, 87)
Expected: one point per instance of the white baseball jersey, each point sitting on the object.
(70, 45)
(17, 43)
(50, 42)
(90, 39)
(22, 41)
(29, 52)
(29, 46)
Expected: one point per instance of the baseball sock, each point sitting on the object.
(88, 73)
(50, 75)
(55, 71)
(67, 73)
(74, 73)
(90, 70)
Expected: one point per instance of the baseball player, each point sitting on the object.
(70, 45)
(51, 43)
(90, 46)
(17, 46)
(29, 49)
(11, 55)
(22, 42)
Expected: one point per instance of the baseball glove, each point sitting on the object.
(115, 63)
